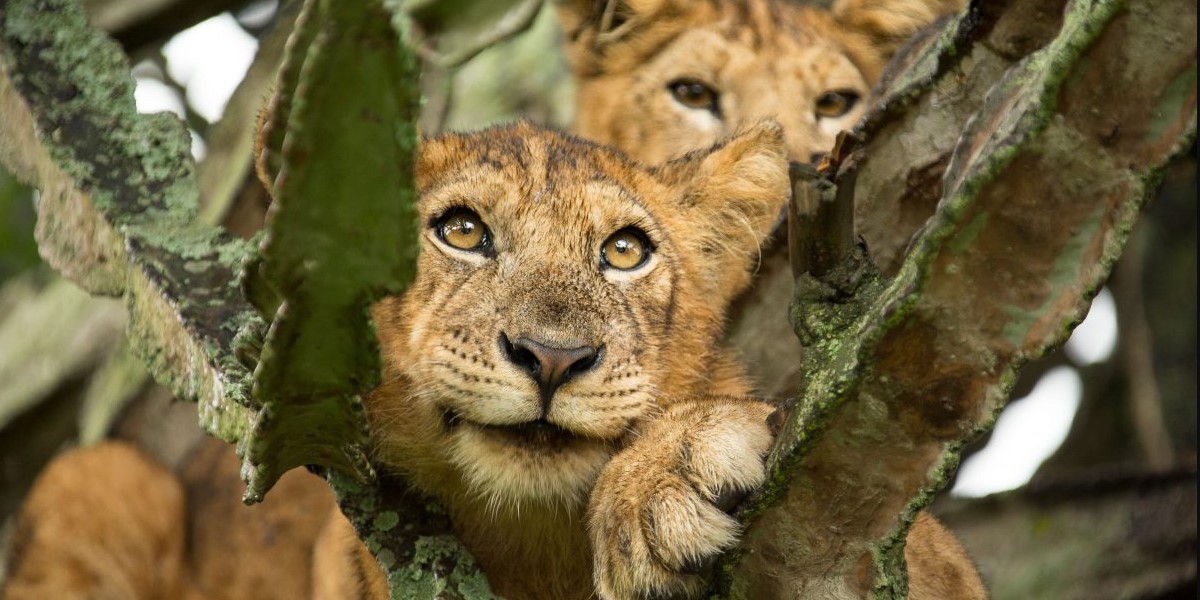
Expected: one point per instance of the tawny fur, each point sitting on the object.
(107, 523)
(102, 523)
(764, 58)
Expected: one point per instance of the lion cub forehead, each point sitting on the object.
(550, 168)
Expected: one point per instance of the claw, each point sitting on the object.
(698, 565)
(728, 499)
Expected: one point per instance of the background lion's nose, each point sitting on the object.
(549, 366)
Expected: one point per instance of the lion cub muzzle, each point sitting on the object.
(550, 366)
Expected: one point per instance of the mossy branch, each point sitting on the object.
(119, 216)
(342, 232)
(118, 208)
(1037, 197)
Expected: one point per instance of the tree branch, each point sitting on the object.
(118, 205)
(119, 216)
(1038, 197)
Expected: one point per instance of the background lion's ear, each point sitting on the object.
(605, 35)
(735, 193)
(878, 28)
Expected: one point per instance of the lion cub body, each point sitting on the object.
(657, 78)
(809, 67)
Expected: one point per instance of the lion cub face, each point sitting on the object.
(563, 295)
(660, 77)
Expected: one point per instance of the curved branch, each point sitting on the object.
(1038, 197)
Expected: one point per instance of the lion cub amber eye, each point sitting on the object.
(693, 94)
(463, 229)
(626, 249)
(836, 103)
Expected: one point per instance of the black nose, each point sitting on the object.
(549, 366)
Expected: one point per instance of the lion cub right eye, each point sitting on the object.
(836, 103)
(696, 95)
(625, 250)
(463, 229)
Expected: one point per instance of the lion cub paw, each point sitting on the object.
(657, 515)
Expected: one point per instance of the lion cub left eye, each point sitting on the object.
(836, 103)
(463, 229)
(626, 249)
(696, 95)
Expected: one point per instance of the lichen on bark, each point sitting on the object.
(119, 201)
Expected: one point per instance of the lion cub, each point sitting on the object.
(559, 350)
(657, 78)
(553, 375)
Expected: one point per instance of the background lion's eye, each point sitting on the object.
(694, 94)
(836, 103)
(626, 249)
(463, 229)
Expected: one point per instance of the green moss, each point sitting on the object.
(322, 263)
(386, 520)
(962, 240)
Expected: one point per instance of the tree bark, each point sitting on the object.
(1039, 195)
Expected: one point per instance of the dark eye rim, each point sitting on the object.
(851, 97)
(642, 237)
(713, 107)
(484, 246)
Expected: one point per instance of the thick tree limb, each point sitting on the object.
(1037, 200)
(119, 217)
(118, 204)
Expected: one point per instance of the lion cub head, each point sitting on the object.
(563, 295)
(660, 77)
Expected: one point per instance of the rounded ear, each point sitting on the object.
(435, 156)
(735, 192)
(605, 35)
(878, 28)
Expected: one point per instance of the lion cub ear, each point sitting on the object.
(440, 157)
(878, 28)
(611, 35)
(735, 193)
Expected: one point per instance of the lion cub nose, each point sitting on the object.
(549, 366)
